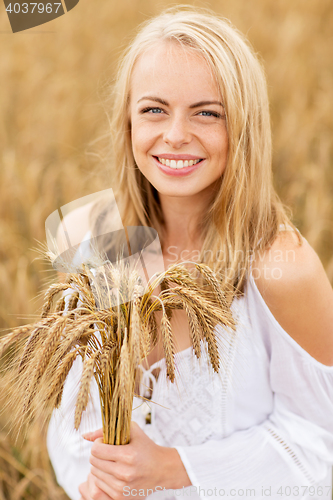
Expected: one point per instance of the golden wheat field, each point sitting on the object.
(54, 82)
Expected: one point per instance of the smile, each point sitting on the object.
(178, 164)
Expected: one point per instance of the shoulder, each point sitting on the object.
(295, 287)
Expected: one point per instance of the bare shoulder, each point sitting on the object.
(295, 287)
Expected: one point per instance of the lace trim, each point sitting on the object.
(291, 454)
(225, 383)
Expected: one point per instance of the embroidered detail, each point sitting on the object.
(291, 453)
(198, 396)
(225, 384)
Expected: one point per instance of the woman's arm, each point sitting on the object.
(294, 285)
(293, 447)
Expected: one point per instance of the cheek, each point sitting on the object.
(143, 143)
(141, 137)
(222, 142)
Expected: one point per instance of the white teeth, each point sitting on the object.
(178, 164)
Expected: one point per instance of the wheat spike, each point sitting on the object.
(13, 336)
(152, 329)
(60, 305)
(49, 296)
(57, 386)
(165, 286)
(83, 286)
(214, 283)
(29, 348)
(72, 303)
(168, 346)
(208, 331)
(74, 335)
(124, 369)
(46, 351)
(194, 329)
(84, 391)
(135, 333)
(50, 344)
(203, 304)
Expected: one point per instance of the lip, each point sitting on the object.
(179, 157)
(177, 172)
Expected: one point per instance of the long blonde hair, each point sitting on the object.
(246, 212)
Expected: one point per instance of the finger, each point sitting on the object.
(107, 451)
(83, 489)
(113, 482)
(95, 491)
(104, 465)
(115, 469)
(91, 436)
(109, 491)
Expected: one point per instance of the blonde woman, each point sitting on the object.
(192, 158)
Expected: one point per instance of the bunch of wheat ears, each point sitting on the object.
(112, 341)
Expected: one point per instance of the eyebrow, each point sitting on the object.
(165, 103)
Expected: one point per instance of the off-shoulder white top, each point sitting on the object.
(262, 427)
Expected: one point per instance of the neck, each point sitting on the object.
(182, 216)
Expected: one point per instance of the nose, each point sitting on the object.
(177, 132)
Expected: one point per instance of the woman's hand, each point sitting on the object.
(121, 471)
(89, 490)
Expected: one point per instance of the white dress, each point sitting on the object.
(261, 428)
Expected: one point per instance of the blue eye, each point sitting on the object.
(155, 111)
(210, 113)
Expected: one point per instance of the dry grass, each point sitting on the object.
(52, 86)
(25, 470)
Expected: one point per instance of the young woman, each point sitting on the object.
(192, 158)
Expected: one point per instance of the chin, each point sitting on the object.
(177, 193)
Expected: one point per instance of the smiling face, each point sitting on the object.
(178, 127)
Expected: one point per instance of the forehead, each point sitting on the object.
(172, 67)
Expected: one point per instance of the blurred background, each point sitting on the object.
(54, 82)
